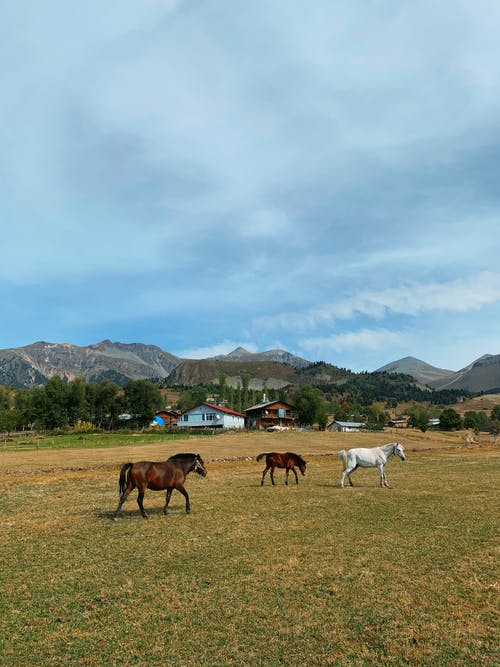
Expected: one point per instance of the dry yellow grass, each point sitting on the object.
(299, 575)
(229, 445)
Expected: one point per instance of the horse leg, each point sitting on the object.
(140, 498)
(271, 473)
(186, 496)
(167, 499)
(347, 473)
(383, 479)
(263, 475)
(286, 476)
(295, 473)
(123, 498)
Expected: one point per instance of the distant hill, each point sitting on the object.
(207, 371)
(420, 370)
(482, 375)
(33, 365)
(281, 356)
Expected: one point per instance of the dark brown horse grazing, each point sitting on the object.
(287, 460)
(169, 474)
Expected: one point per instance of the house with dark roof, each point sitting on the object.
(210, 415)
(166, 417)
(271, 414)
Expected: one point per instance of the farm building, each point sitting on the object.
(400, 422)
(166, 418)
(269, 414)
(346, 426)
(209, 415)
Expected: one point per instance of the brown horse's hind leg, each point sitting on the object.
(167, 500)
(123, 498)
(263, 475)
(271, 474)
(140, 498)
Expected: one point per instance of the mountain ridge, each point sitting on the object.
(34, 364)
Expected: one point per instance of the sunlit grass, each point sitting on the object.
(299, 575)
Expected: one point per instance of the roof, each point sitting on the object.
(218, 408)
(349, 424)
(267, 404)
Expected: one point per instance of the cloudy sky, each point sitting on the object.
(319, 176)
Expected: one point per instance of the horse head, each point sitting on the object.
(199, 466)
(399, 451)
(302, 467)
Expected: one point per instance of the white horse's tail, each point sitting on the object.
(343, 456)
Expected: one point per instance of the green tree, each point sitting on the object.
(478, 421)
(106, 404)
(449, 420)
(191, 398)
(376, 417)
(494, 428)
(310, 405)
(55, 404)
(419, 417)
(222, 387)
(245, 382)
(142, 399)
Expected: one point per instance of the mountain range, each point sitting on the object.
(35, 364)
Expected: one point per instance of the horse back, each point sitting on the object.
(163, 475)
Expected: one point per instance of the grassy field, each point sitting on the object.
(299, 575)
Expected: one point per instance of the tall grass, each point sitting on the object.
(299, 575)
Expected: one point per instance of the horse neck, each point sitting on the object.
(389, 448)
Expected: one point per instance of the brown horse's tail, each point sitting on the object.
(122, 484)
(261, 456)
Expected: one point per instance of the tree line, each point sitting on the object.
(61, 404)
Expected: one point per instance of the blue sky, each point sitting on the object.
(317, 176)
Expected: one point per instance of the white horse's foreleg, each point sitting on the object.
(383, 478)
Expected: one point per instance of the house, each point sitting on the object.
(166, 417)
(271, 414)
(209, 415)
(400, 422)
(346, 426)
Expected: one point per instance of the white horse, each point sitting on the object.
(374, 457)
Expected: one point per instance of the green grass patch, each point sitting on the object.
(97, 440)
(299, 575)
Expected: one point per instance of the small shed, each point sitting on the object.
(346, 427)
(209, 415)
(269, 414)
(166, 418)
(400, 422)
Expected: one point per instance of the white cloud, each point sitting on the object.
(462, 295)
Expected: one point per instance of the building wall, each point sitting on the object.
(209, 417)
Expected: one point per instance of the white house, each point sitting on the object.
(209, 415)
(346, 426)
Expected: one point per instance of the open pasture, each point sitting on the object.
(308, 574)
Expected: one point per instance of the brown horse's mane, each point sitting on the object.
(182, 455)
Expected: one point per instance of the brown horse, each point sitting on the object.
(169, 474)
(287, 460)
